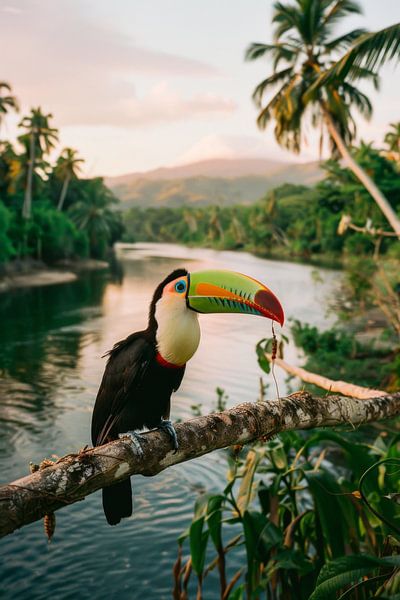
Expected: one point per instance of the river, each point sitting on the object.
(51, 342)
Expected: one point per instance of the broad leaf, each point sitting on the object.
(347, 570)
(198, 539)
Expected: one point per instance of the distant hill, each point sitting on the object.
(218, 181)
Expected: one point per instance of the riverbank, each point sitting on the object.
(32, 273)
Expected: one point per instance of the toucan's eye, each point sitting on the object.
(180, 286)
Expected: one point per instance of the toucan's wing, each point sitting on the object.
(125, 369)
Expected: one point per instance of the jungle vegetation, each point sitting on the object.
(47, 211)
(292, 221)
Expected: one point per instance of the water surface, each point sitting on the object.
(51, 343)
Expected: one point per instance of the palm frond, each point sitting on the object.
(279, 77)
(286, 17)
(370, 51)
(257, 50)
(279, 52)
(358, 99)
(344, 41)
(361, 73)
(266, 113)
(341, 8)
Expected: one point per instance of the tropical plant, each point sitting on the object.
(67, 168)
(94, 214)
(42, 139)
(305, 515)
(7, 100)
(305, 46)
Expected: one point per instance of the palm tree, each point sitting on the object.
(94, 214)
(7, 100)
(392, 140)
(19, 166)
(67, 168)
(305, 44)
(42, 138)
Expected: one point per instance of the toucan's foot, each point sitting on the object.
(167, 426)
(135, 438)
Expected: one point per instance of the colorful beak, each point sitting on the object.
(230, 292)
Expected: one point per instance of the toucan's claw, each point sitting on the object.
(167, 426)
(136, 440)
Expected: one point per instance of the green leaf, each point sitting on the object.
(228, 488)
(238, 593)
(347, 570)
(214, 519)
(336, 513)
(261, 535)
(262, 361)
(198, 539)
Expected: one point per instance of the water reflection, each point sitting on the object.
(51, 343)
(41, 340)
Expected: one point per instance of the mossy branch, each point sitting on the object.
(75, 476)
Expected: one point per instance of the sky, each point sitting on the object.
(138, 84)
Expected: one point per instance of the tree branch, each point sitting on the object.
(335, 386)
(75, 476)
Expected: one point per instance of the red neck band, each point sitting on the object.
(165, 363)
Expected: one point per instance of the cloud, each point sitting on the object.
(161, 104)
(83, 72)
(11, 9)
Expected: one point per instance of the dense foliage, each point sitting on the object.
(305, 515)
(292, 221)
(46, 211)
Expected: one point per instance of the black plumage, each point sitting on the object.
(135, 392)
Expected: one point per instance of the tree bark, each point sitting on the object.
(76, 475)
(332, 385)
(27, 206)
(361, 175)
(63, 192)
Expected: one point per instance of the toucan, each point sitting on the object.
(145, 368)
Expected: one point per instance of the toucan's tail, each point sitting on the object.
(117, 501)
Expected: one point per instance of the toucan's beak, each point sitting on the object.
(230, 292)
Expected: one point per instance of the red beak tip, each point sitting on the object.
(270, 302)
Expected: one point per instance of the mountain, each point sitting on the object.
(217, 181)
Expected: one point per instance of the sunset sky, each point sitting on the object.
(136, 84)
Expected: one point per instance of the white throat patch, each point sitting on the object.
(178, 333)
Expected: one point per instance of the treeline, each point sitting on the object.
(292, 221)
(47, 211)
